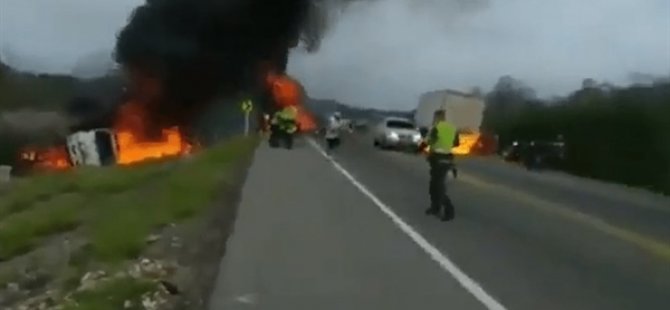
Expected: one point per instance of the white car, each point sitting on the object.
(397, 133)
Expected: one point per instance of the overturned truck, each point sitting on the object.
(97, 147)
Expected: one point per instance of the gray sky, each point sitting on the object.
(54, 35)
(385, 53)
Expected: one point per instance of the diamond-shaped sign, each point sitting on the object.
(247, 106)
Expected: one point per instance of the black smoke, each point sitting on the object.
(200, 49)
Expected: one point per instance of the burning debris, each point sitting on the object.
(136, 142)
(286, 91)
(131, 139)
(178, 57)
(181, 54)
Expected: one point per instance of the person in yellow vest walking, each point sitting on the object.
(441, 139)
(284, 126)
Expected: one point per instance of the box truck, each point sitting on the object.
(464, 110)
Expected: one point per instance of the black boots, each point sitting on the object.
(432, 211)
(447, 212)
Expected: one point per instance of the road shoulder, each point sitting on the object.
(305, 238)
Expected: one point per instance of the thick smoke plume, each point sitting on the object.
(179, 54)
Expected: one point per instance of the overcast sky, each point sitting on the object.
(385, 53)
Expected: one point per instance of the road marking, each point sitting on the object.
(649, 244)
(463, 279)
(640, 198)
(248, 299)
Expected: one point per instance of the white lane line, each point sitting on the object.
(463, 279)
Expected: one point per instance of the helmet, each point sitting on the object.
(337, 114)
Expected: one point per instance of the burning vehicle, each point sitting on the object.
(181, 56)
(288, 96)
(125, 142)
(92, 148)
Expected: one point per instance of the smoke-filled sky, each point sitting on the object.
(384, 53)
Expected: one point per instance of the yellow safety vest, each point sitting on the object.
(285, 118)
(442, 138)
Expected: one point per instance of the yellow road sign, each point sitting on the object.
(247, 106)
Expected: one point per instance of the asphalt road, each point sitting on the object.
(315, 234)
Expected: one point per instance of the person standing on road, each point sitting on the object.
(441, 139)
(284, 126)
(335, 126)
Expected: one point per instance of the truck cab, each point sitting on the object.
(95, 147)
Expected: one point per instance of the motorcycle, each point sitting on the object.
(280, 136)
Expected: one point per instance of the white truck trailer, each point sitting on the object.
(463, 110)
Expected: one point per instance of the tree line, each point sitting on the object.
(40, 109)
(33, 106)
(619, 134)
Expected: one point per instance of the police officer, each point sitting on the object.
(441, 139)
(284, 125)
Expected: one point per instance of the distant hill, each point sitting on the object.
(325, 107)
(4, 68)
(52, 92)
(94, 65)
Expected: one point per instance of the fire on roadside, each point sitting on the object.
(470, 143)
(133, 144)
(286, 91)
(138, 139)
(51, 158)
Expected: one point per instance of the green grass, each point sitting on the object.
(120, 224)
(25, 193)
(8, 276)
(20, 232)
(86, 180)
(116, 209)
(94, 180)
(112, 295)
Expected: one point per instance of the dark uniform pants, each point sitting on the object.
(440, 164)
(279, 133)
(333, 142)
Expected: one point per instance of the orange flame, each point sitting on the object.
(471, 143)
(134, 146)
(286, 91)
(468, 142)
(48, 159)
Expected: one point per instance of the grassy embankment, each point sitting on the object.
(111, 212)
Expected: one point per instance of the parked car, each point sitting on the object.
(536, 155)
(397, 133)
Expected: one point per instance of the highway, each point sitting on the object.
(350, 233)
